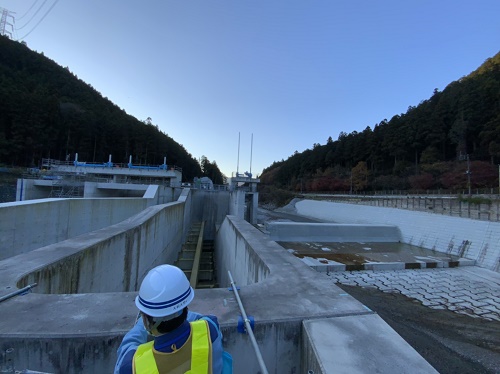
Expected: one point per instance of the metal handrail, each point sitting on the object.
(18, 292)
(248, 327)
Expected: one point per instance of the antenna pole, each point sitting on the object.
(251, 148)
(238, 163)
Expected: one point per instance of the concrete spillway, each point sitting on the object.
(83, 305)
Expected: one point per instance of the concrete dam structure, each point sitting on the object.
(88, 257)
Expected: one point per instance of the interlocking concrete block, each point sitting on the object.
(453, 300)
(437, 307)
(491, 317)
(492, 308)
(430, 303)
(466, 262)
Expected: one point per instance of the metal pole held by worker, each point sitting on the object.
(248, 327)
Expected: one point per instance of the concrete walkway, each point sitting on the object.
(471, 290)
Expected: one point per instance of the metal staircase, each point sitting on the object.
(67, 188)
(196, 258)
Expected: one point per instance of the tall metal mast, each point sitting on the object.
(3, 22)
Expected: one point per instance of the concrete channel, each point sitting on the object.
(75, 318)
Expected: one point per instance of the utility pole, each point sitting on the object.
(350, 192)
(468, 174)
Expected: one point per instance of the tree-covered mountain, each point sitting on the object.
(47, 112)
(432, 145)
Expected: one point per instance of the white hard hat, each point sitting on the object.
(164, 291)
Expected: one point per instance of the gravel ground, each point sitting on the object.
(450, 342)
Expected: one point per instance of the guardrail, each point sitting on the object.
(49, 163)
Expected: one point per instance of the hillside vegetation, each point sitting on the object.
(431, 146)
(47, 112)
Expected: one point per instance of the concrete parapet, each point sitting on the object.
(112, 259)
(357, 344)
(32, 224)
(332, 232)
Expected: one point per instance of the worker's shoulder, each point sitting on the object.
(213, 323)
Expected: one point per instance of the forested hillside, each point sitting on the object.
(431, 146)
(47, 112)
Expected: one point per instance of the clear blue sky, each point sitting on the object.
(292, 73)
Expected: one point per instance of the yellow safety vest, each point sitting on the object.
(201, 349)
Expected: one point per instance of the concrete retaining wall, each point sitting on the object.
(186, 197)
(472, 239)
(113, 259)
(328, 232)
(488, 210)
(234, 253)
(32, 224)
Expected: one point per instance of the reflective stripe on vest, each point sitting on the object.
(144, 360)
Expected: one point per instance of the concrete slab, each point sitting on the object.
(359, 344)
(326, 257)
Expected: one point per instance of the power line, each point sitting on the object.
(45, 15)
(33, 16)
(25, 14)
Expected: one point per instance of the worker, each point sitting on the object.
(182, 340)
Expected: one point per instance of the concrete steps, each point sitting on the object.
(205, 277)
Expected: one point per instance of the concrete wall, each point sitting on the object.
(237, 203)
(186, 197)
(27, 190)
(32, 224)
(486, 210)
(79, 333)
(332, 232)
(472, 239)
(156, 194)
(113, 259)
(102, 190)
(234, 253)
(34, 189)
(278, 291)
(209, 206)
